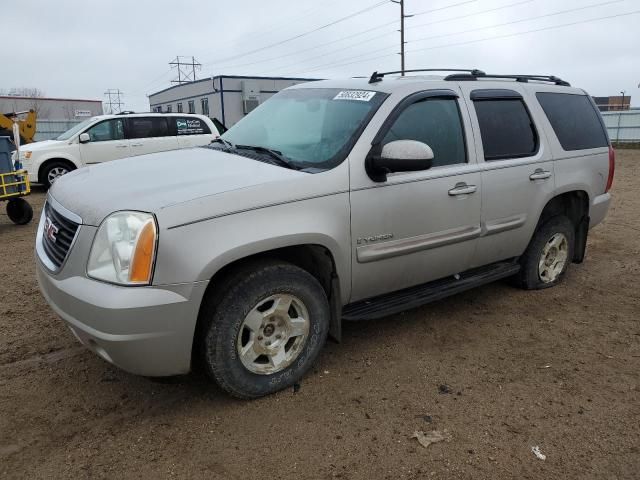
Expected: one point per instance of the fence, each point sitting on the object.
(48, 129)
(623, 127)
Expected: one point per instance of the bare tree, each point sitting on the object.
(35, 96)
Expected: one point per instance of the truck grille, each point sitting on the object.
(57, 239)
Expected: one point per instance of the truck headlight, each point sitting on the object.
(124, 249)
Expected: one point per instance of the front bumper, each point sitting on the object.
(143, 330)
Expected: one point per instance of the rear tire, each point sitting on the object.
(547, 258)
(19, 211)
(54, 170)
(265, 330)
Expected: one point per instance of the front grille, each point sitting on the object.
(57, 245)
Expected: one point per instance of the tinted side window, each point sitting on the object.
(145, 127)
(506, 128)
(574, 120)
(107, 130)
(437, 123)
(191, 126)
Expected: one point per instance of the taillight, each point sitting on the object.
(612, 168)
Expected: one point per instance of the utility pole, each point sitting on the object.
(114, 102)
(402, 42)
(186, 67)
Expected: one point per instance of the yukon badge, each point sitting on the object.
(374, 238)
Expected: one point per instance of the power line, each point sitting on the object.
(526, 32)
(442, 8)
(513, 22)
(552, 27)
(360, 33)
(304, 34)
(460, 17)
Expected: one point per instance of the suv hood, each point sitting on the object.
(154, 182)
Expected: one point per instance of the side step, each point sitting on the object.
(412, 297)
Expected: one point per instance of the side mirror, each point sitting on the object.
(84, 138)
(398, 156)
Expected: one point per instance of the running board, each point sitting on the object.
(412, 297)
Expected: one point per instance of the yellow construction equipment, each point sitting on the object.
(26, 122)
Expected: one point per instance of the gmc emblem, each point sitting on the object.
(50, 230)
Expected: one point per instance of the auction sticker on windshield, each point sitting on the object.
(360, 95)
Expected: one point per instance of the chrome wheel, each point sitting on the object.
(554, 258)
(272, 335)
(55, 173)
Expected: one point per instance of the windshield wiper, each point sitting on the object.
(276, 156)
(225, 142)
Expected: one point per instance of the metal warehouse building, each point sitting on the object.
(55, 115)
(227, 98)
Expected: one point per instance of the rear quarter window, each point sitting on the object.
(574, 120)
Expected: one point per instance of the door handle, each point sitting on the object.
(136, 144)
(121, 146)
(462, 189)
(540, 174)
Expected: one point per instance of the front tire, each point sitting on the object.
(265, 330)
(547, 258)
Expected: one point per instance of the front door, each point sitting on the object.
(417, 226)
(107, 142)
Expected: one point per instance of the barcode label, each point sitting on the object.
(359, 95)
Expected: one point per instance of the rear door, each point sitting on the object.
(517, 169)
(107, 142)
(191, 131)
(150, 135)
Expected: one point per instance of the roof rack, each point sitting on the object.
(470, 75)
(518, 78)
(378, 76)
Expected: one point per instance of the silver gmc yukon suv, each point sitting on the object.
(334, 200)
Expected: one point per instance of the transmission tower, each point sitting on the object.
(113, 103)
(186, 67)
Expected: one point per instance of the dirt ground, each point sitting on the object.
(558, 369)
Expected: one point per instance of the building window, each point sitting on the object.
(157, 109)
(204, 102)
(180, 107)
(192, 106)
(168, 108)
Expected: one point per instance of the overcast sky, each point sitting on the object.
(79, 49)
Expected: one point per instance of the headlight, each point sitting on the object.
(124, 249)
(25, 155)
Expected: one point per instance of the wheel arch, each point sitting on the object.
(315, 258)
(574, 204)
(50, 160)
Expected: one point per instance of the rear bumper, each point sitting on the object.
(599, 209)
(143, 330)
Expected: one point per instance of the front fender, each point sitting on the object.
(199, 250)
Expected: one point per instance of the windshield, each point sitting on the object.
(73, 130)
(311, 127)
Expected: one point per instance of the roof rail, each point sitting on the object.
(378, 76)
(518, 78)
(125, 112)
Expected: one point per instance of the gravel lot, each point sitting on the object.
(558, 369)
